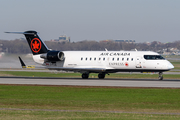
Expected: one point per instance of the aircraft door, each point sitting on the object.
(107, 61)
(138, 62)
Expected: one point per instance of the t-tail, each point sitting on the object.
(36, 45)
(41, 52)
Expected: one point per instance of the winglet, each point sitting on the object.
(22, 63)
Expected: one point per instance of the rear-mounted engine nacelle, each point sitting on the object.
(53, 56)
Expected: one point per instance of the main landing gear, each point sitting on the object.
(160, 76)
(101, 75)
(86, 75)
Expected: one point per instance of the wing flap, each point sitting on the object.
(78, 69)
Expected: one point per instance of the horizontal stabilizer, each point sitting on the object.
(25, 33)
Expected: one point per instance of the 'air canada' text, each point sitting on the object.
(115, 54)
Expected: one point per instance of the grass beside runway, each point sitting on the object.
(93, 75)
(87, 99)
(84, 99)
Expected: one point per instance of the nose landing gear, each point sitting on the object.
(160, 76)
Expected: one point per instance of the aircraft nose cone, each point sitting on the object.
(170, 66)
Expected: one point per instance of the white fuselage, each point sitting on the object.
(111, 61)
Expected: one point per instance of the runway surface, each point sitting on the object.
(91, 82)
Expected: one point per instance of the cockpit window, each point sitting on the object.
(153, 57)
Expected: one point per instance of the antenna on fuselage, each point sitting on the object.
(106, 49)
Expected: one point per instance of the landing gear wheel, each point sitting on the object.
(101, 75)
(160, 76)
(85, 76)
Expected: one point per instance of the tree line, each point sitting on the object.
(21, 46)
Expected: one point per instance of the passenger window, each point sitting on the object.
(103, 58)
(127, 59)
(122, 59)
(112, 59)
(99, 58)
(117, 59)
(90, 58)
(81, 58)
(131, 59)
(86, 58)
(94, 58)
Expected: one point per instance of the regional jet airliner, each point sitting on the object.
(101, 62)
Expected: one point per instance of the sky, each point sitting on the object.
(140, 20)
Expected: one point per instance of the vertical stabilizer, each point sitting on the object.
(36, 45)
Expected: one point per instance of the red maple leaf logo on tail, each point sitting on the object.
(36, 45)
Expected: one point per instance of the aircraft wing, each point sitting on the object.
(78, 69)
